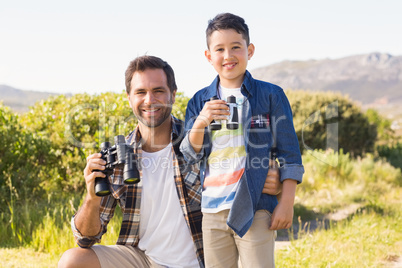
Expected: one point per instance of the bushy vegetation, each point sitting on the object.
(43, 153)
(330, 121)
(27, 164)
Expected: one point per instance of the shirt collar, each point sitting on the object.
(246, 87)
(177, 132)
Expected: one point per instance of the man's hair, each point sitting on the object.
(227, 21)
(143, 63)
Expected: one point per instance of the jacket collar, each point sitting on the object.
(246, 87)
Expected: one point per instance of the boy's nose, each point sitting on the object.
(227, 54)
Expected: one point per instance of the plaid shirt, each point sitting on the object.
(129, 197)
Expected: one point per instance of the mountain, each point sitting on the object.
(373, 79)
(20, 100)
(368, 79)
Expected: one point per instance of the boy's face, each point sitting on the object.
(229, 54)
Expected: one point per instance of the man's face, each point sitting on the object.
(150, 97)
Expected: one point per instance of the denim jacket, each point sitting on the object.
(268, 121)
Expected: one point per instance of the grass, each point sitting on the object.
(35, 234)
(365, 239)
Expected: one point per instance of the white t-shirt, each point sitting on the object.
(164, 234)
(226, 163)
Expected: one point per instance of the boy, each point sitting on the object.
(237, 220)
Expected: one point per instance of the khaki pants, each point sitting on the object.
(223, 248)
(123, 256)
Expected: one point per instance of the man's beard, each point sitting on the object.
(156, 122)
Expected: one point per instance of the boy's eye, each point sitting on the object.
(236, 47)
(219, 49)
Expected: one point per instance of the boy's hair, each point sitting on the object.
(145, 62)
(226, 21)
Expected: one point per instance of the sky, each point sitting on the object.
(80, 46)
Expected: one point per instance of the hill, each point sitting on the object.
(20, 100)
(368, 79)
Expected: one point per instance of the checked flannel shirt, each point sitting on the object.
(129, 197)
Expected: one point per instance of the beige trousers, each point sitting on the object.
(223, 248)
(123, 256)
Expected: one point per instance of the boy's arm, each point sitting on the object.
(282, 217)
(289, 156)
(212, 110)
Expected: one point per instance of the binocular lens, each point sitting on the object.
(132, 180)
(131, 176)
(101, 186)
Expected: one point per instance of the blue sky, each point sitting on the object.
(85, 46)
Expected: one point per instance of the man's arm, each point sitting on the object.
(86, 222)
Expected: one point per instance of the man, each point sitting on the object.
(161, 214)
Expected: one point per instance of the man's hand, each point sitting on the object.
(87, 219)
(94, 161)
(272, 185)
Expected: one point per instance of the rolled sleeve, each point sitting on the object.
(293, 172)
(188, 152)
(82, 240)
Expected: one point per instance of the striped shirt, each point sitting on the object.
(129, 197)
(226, 163)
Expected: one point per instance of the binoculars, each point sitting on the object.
(119, 155)
(233, 121)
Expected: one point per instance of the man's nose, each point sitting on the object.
(149, 98)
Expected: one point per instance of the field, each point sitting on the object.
(348, 210)
(346, 215)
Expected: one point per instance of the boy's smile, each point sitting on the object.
(229, 54)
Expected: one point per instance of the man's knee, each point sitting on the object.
(79, 257)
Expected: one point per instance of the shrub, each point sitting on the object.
(27, 164)
(325, 120)
(76, 126)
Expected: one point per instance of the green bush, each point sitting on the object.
(325, 120)
(332, 180)
(76, 126)
(386, 135)
(27, 164)
(392, 153)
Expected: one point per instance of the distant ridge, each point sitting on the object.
(20, 100)
(369, 78)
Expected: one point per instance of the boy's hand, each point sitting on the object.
(282, 217)
(272, 185)
(212, 110)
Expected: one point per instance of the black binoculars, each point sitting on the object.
(233, 121)
(119, 155)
